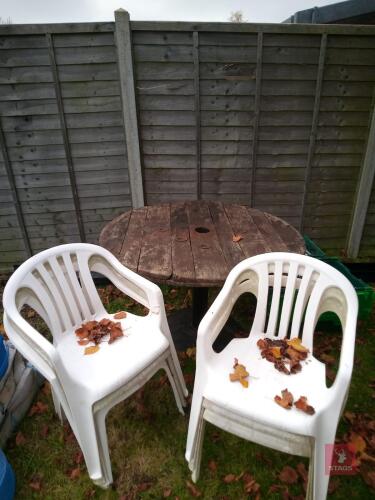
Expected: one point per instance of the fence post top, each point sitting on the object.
(121, 12)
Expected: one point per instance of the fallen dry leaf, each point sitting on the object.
(240, 374)
(191, 352)
(236, 238)
(120, 315)
(92, 349)
(368, 475)
(146, 485)
(297, 345)
(44, 431)
(38, 408)
(212, 465)
(83, 342)
(20, 439)
(288, 475)
(250, 484)
(302, 405)
(75, 473)
(301, 469)
(167, 492)
(36, 483)
(276, 352)
(78, 457)
(286, 399)
(229, 478)
(193, 490)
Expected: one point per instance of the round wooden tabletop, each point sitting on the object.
(195, 243)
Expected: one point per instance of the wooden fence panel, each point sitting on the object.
(273, 116)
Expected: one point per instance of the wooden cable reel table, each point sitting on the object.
(191, 244)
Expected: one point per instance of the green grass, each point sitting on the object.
(147, 438)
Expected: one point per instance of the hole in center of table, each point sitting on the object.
(202, 230)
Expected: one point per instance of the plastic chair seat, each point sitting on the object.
(257, 401)
(114, 364)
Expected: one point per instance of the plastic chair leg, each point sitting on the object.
(58, 408)
(88, 439)
(181, 389)
(196, 465)
(320, 478)
(105, 460)
(196, 414)
(174, 388)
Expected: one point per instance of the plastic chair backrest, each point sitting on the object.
(58, 284)
(292, 292)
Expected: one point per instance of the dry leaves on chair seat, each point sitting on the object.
(96, 331)
(286, 399)
(283, 352)
(240, 374)
(302, 405)
(92, 349)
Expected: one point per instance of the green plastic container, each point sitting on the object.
(366, 294)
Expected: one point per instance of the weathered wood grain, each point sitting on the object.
(182, 257)
(155, 259)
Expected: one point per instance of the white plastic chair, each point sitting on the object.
(311, 288)
(86, 387)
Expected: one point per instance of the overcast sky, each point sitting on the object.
(58, 11)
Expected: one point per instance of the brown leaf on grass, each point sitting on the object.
(240, 374)
(91, 350)
(193, 490)
(301, 469)
(212, 465)
(191, 352)
(146, 485)
(302, 405)
(327, 359)
(78, 457)
(38, 408)
(288, 475)
(350, 417)
(368, 475)
(89, 493)
(167, 492)
(330, 374)
(286, 399)
(36, 482)
(356, 444)
(229, 478)
(120, 315)
(250, 484)
(333, 485)
(46, 389)
(75, 473)
(44, 431)
(236, 238)
(20, 439)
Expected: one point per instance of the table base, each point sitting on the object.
(184, 334)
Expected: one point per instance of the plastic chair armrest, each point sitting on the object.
(31, 344)
(130, 283)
